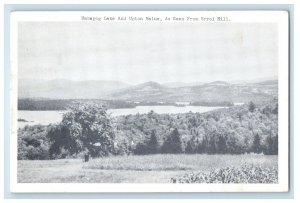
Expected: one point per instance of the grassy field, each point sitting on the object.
(132, 169)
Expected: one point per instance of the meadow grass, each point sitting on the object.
(133, 169)
(178, 162)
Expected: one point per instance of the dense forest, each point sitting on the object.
(230, 130)
(234, 130)
(62, 104)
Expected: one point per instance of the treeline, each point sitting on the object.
(234, 130)
(212, 103)
(199, 103)
(43, 105)
(62, 104)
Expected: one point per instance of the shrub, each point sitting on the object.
(122, 148)
(33, 143)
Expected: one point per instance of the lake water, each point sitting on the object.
(39, 117)
(47, 117)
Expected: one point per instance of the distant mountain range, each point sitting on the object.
(149, 91)
(181, 84)
(209, 92)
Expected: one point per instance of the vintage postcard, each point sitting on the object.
(149, 101)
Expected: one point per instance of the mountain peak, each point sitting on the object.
(218, 82)
(150, 83)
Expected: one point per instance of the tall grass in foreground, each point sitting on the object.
(165, 162)
(160, 168)
(244, 174)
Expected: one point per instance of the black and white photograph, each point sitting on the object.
(150, 101)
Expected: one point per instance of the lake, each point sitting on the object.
(47, 117)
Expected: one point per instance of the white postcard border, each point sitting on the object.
(280, 17)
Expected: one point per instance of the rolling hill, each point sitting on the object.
(150, 91)
(208, 92)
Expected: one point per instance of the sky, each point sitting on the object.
(147, 51)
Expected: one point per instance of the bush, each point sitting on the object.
(122, 149)
(33, 143)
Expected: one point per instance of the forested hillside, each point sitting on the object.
(229, 130)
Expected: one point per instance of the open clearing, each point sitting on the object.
(132, 169)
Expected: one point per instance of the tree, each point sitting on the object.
(191, 146)
(203, 145)
(221, 145)
(251, 107)
(256, 146)
(275, 110)
(275, 145)
(85, 128)
(140, 149)
(232, 146)
(153, 143)
(173, 143)
(212, 144)
(148, 147)
(272, 145)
